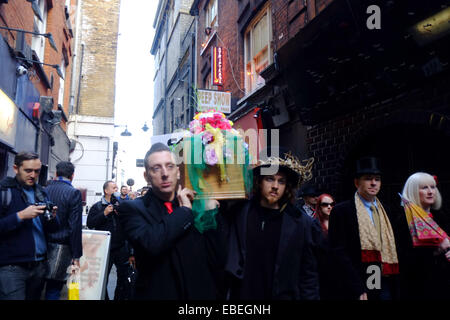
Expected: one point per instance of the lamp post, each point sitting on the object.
(125, 133)
(36, 9)
(46, 35)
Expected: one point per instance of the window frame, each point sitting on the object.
(250, 64)
(38, 42)
(209, 21)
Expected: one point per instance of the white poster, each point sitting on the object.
(8, 119)
(94, 264)
(211, 99)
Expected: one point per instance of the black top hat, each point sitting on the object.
(367, 165)
(308, 190)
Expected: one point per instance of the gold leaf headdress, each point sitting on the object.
(304, 170)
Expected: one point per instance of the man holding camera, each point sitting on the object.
(103, 216)
(26, 217)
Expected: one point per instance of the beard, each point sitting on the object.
(272, 199)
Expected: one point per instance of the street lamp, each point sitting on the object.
(126, 133)
(36, 9)
(46, 35)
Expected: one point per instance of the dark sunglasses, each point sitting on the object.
(326, 204)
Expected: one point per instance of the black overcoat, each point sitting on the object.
(425, 275)
(174, 261)
(295, 273)
(344, 241)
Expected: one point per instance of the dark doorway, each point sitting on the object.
(3, 162)
(402, 150)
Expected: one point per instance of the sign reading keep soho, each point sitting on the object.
(211, 99)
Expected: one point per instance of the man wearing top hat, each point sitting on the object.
(269, 243)
(308, 202)
(361, 235)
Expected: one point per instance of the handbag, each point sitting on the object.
(59, 258)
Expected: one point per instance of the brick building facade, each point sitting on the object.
(92, 94)
(334, 88)
(361, 91)
(29, 83)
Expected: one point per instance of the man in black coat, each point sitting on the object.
(67, 240)
(308, 201)
(363, 241)
(104, 215)
(24, 227)
(173, 259)
(269, 241)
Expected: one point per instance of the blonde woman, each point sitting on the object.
(427, 250)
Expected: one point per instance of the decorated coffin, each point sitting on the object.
(215, 159)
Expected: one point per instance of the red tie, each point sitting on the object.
(168, 205)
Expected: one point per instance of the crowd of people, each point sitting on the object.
(270, 246)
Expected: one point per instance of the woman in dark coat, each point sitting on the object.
(425, 266)
(269, 241)
(327, 266)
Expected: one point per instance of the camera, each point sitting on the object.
(21, 70)
(115, 203)
(47, 210)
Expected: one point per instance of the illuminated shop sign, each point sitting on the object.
(217, 66)
(8, 119)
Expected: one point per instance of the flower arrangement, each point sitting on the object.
(215, 134)
(212, 117)
(210, 125)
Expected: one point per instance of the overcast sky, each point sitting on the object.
(134, 83)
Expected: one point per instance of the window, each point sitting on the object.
(258, 52)
(211, 14)
(171, 15)
(157, 58)
(38, 42)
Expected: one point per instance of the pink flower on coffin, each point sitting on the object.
(195, 127)
(207, 137)
(211, 157)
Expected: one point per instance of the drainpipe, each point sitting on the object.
(75, 61)
(166, 54)
(107, 159)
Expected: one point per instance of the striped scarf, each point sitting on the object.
(376, 248)
(425, 232)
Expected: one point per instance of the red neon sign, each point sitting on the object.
(217, 66)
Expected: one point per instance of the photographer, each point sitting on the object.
(26, 217)
(103, 216)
